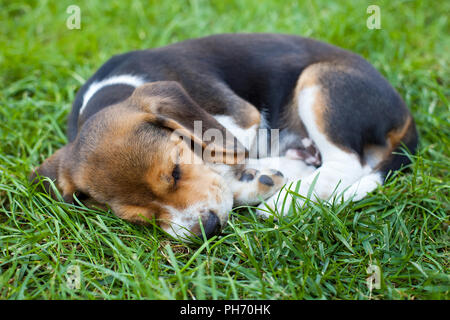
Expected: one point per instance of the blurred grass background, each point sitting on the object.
(316, 252)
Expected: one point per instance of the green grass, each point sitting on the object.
(315, 252)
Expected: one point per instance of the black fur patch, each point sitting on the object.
(222, 72)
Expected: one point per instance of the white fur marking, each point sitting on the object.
(245, 136)
(373, 155)
(362, 187)
(131, 80)
(306, 142)
(291, 169)
(329, 151)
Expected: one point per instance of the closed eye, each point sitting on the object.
(176, 173)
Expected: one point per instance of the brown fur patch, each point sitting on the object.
(55, 168)
(247, 116)
(395, 136)
(193, 177)
(134, 213)
(394, 139)
(172, 107)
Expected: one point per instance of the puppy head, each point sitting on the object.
(126, 156)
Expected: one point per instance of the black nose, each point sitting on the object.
(212, 226)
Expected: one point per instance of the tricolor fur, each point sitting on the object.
(340, 126)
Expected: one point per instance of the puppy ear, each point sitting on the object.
(170, 106)
(56, 169)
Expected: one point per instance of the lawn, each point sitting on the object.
(52, 250)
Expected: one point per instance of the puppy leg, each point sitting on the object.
(237, 115)
(348, 112)
(362, 187)
(340, 167)
(250, 186)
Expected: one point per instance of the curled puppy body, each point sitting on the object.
(335, 116)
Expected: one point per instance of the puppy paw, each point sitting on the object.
(256, 185)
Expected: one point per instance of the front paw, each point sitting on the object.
(256, 185)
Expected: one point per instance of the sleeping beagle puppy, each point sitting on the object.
(140, 136)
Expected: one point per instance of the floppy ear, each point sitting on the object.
(170, 106)
(56, 169)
